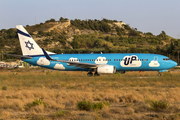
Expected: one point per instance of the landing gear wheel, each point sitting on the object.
(89, 74)
(123, 72)
(159, 74)
(96, 74)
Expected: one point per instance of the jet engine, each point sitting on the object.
(106, 69)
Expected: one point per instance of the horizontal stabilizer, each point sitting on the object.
(20, 56)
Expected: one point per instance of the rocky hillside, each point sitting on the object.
(51, 31)
(65, 34)
(83, 36)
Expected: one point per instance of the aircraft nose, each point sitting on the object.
(174, 63)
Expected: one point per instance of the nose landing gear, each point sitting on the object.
(159, 74)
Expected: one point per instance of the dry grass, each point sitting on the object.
(129, 94)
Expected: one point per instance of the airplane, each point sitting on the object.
(94, 64)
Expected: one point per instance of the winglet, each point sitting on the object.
(46, 55)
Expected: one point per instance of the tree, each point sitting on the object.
(148, 33)
(75, 44)
(40, 32)
(133, 33)
(127, 27)
(51, 20)
(162, 34)
(105, 27)
(63, 19)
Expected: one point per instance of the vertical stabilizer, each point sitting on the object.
(28, 45)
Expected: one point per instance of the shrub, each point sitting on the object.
(4, 88)
(36, 102)
(48, 72)
(63, 113)
(86, 105)
(100, 105)
(159, 105)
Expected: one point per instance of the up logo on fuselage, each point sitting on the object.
(130, 61)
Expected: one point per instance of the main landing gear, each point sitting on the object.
(91, 74)
(96, 74)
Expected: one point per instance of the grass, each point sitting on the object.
(56, 95)
(32, 79)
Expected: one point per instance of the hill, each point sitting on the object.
(83, 36)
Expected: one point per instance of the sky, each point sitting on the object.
(152, 16)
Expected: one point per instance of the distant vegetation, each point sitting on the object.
(102, 25)
(104, 36)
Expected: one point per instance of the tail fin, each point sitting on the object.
(28, 45)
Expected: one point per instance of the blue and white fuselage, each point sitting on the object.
(122, 62)
(98, 63)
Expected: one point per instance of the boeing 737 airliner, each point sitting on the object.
(93, 63)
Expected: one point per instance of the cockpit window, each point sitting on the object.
(166, 58)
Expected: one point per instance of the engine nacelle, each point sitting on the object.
(106, 69)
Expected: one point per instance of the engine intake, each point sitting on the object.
(106, 69)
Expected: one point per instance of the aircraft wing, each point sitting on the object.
(73, 63)
(82, 65)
